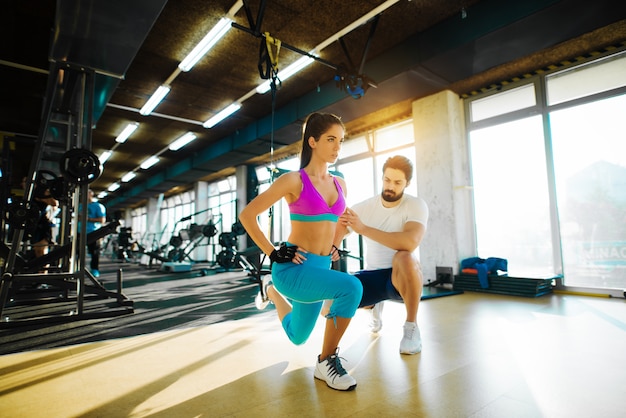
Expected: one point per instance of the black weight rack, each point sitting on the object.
(63, 145)
(91, 49)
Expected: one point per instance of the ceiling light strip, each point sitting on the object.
(149, 162)
(105, 156)
(182, 141)
(126, 132)
(215, 34)
(113, 187)
(286, 73)
(222, 115)
(352, 26)
(211, 38)
(154, 101)
(128, 176)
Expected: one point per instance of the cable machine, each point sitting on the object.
(348, 78)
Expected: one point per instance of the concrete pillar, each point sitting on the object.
(201, 192)
(241, 176)
(443, 181)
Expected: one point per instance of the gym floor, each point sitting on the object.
(195, 346)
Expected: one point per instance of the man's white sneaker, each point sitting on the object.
(332, 372)
(411, 341)
(261, 300)
(376, 323)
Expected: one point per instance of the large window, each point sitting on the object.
(138, 223)
(590, 166)
(511, 195)
(222, 203)
(549, 175)
(173, 213)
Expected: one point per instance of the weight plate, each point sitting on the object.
(80, 166)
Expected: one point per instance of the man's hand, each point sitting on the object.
(351, 220)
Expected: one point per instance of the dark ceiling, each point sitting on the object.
(414, 48)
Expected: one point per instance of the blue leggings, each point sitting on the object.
(306, 286)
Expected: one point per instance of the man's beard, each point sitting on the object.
(389, 196)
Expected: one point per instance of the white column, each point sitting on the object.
(443, 179)
(241, 176)
(151, 238)
(201, 192)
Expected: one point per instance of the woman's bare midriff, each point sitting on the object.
(313, 237)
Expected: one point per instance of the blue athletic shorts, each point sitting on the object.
(377, 286)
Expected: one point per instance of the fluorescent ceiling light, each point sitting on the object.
(182, 141)
(113, 187)
(128, 130)
(149, 162)
(105, 156)
(205, 44)
(222, 115)
(128, 176)
(286, 73)
(102, 194)
(154, 101)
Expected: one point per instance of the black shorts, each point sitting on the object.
(377, 286)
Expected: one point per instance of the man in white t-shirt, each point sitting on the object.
(392, 225)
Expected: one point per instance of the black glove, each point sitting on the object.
(283, 254)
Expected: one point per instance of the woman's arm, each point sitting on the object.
(283, 186)
(340, 229)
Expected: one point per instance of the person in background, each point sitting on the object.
(40, 236)
(96, 216)
(392, 225)
(301, 277)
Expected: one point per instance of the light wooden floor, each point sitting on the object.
(483, 356)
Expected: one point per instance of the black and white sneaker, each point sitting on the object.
(332, 372)
(261, 300)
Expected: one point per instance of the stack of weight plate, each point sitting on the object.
(506, 285)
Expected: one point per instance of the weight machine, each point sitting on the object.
(182, 243)
(176, 253)
(64, 141)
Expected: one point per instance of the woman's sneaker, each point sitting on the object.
(332, 372)
(261, 300)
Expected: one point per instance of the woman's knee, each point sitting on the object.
(296, 331)
(298, 339)
(354, 290)
(347, 302)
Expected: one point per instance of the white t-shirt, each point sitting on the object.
(373, 214)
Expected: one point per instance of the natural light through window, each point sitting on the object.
(511, 195)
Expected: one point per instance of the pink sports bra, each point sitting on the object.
(311, 206)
